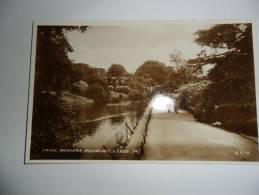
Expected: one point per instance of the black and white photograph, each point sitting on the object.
(142, 91)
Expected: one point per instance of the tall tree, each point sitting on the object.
(230, 98)
(52, 123)
(234, 69)
(53, 67)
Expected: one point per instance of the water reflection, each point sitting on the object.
(117, 120)
(106, 128)
(98, 123)
(89, 128)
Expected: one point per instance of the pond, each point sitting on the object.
(99, 123)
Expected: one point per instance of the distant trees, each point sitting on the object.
(117, 70)
(80, 72)
(138, 89)
(153, 69)
(88, 74)
(181, 75)
(97, 75)
(88, 80)
(165, 78)
(98, 93)
(79, 87)
(149, 75)
(176, 58)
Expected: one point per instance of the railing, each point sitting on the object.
(135, 149)
(128, 142)
(118, 142)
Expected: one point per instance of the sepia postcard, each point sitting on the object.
(147, 91)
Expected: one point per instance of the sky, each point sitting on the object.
(132, 45)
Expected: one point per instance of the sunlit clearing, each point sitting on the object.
(162, 103)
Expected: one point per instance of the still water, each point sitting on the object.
(98, 123)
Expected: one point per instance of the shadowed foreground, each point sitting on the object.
(180, 137)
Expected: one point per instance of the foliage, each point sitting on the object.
(138, 89)
(52, 124)
(181, 75)
(117, 70)
(80, 72)
(235, 66)
(153, 69)
(98, 93)
(227, 36)
(232, 77)
(122, 89)
(193, 96)
(93, 79)
(79, 87)
(97, 75)
(53, 67)
(135, 95)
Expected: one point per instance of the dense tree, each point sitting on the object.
(84, 72)
(80, 72)
(232, 90)
(234, 69)
(117, 70)
(97, 75)
(153, 69)
(52, 123)
(138, 88)
(98, 93)
(53, 67)
(79, 87)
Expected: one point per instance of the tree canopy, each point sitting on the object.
(234, 69)
(117, 70)
(79, 72)
(153, 69)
